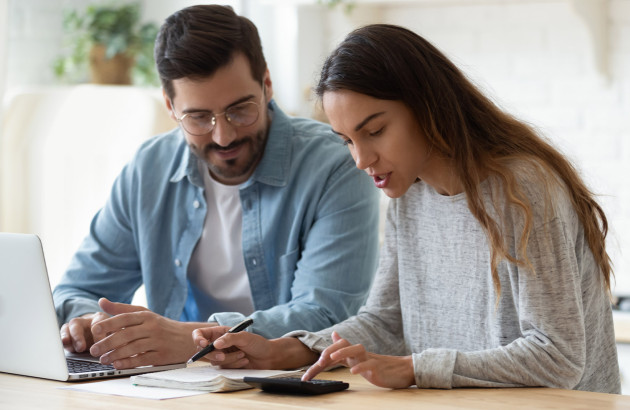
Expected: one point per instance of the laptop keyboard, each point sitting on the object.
(81, 366)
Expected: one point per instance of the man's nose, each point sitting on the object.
(223, 133)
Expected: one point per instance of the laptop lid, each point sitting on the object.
(30, 344)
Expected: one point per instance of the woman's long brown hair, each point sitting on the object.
(392, 63)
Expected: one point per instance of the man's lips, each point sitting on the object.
(227, 152)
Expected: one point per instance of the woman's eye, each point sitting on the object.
(347, 142)
(377, 132)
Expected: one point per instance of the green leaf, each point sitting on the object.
(117, 27)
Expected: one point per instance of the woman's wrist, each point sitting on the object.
(411, 377)
(290, 353)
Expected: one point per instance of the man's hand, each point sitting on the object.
(385, 371)
(76, 335)
(135, 336)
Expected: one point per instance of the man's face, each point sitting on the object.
(231, 152)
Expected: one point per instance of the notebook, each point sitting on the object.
(30, 344)
(207, 378)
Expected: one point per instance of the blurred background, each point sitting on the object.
(562, 65)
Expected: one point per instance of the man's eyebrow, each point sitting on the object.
(237, 102)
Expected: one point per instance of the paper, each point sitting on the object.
(208, 378)
(124, 387)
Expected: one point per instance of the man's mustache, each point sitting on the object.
(216, 147)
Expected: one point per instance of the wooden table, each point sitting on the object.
(18, 392)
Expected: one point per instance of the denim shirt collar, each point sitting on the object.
(273, 167)
(187, 166)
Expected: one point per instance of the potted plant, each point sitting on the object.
(110, 43)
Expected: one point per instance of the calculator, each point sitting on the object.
(294, 385)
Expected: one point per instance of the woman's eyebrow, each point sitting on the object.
(368, 119)
(362, 123)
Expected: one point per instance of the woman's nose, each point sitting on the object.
(363, 156)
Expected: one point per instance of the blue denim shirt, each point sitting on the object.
(310, 221)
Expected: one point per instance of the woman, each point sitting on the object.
(494, 271)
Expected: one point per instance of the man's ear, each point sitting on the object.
(267, 86)
(169, 105)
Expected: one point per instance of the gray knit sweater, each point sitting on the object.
(433, 298)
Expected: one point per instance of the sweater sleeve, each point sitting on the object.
(551, 351)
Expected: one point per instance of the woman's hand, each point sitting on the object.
(385, 371)
(249, 350)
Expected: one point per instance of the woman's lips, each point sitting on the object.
(382, 180)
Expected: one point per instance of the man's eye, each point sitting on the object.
(199, 116)
(239, 109)
(347, 142)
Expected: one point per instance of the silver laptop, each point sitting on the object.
(30, 344)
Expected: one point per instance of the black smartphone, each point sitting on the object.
(294, 385)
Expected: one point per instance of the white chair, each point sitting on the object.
(60, 151)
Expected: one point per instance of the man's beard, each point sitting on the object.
(231, 168)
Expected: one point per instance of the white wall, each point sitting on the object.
(4, 31)
(561, 65)
(541, 61)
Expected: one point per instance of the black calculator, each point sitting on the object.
(294, 385)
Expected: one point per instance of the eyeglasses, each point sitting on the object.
(202, 123)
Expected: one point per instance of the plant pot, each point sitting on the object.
(115, 70)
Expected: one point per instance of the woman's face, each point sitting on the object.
(383, 137)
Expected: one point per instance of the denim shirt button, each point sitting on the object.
(178, 262)
(254, 261)
(196, 204)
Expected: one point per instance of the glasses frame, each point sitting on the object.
(225, 113)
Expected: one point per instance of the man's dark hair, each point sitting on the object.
(196, 41)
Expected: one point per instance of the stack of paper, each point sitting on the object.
(208, 378)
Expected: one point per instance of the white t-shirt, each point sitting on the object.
(216, 266)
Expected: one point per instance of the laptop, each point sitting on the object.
(30, 344)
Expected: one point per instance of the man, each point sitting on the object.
(241, 211)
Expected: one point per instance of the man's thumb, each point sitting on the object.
(115, 308)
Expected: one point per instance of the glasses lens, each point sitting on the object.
(242, 115)
(198, 123)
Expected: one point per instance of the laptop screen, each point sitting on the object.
(31, 345)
